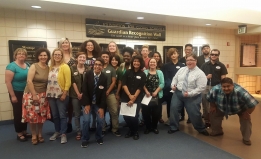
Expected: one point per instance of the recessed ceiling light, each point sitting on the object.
(140, 17)
(208, 24)
(37, 7)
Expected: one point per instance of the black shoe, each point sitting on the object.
(156, 131)
(136, 136)
(92, 129)
(188, 121)
(117, 133)
(129, 134)
(99, 142)
(207, 125)
(181, 118)
(172, 131)
(146, 131)
(84, 144)
(204, 132)
(69, 128)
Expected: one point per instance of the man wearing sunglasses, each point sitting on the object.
(215, 72)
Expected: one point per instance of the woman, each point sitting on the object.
(66, 46)
(132, 83)
(92, 50)
(127, 55)
(114, 50)
(153, 87)
(15, 80)
(35, 108)
(59, 82)
(77, 75)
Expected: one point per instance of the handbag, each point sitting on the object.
(154, 101)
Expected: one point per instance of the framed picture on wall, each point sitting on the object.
(29, 46)
(165, 50)
(248, 54)
(195, 50)
(152, 49)
(105, 46)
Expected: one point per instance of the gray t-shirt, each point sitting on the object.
(110, 72)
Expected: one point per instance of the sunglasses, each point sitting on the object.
(214, 54)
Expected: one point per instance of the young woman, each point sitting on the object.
(114, 50)
(132, 83)
(153, 87)
(59, 82)
(78, 73)
(127, 55)
(35, 108)
(15, 80)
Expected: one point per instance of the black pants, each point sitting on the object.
(133, 122)
(17, 112)
(151, 115)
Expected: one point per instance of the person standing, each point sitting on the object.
(215, 71)
(15, 80)
(229, 98)
(205, 49)
(114, 50)
(127, 55)
(188, 84)
(145, 55)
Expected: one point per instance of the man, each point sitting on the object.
(205, 49)
(215, 71)
(111, 100)
(188, 52)
(145, 55)
(229, 98)
(93, 98)
(169, 70)
(188, 84)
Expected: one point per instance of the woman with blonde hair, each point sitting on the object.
(59, 82)
(15, 80)
(114, 50)
(35, 108)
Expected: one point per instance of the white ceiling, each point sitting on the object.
(104, 12)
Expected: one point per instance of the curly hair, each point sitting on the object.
(96, 48)
(39, 51)
(142, 64)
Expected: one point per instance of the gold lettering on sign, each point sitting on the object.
(28, 47)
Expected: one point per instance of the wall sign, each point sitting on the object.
(122, 30)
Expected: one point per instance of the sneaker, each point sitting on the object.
(117, 133)
(54, 136)
(99, 142)
(63, 139)
(84, 144)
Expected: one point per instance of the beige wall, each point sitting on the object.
(50, 27)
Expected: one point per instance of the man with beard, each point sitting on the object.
(205, 49)
(215, 72)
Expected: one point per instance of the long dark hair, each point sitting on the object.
(96, 48)
(159, 63)
(142, 65)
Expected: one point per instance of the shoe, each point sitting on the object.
(181, 118)
(92, 129)
(204, 132)
(247, 142)
(55, 136)
(207, 125)
(21, 138)
(156, 131)
(136, 136)
(63, 139)
(172, 131)
(188, 121)
(40, 139)
(99, 142)
(161, 121)
(69, 128)
(167, 123)
(129, 134)
(117, 133)
(84, 144)
(78, 136)
(216, 134)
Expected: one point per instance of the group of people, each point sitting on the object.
(95, 81)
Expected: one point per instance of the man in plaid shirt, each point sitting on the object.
(229, 98)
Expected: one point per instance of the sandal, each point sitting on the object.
(40, 139)
(78, 136)
(34, 141)
(21, 138)
(27, 135)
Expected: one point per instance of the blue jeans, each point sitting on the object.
(87, 121)
(58, 109)
(192, 105)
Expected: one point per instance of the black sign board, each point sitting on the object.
(165, 50)
(152, 49)
(29, 46)
(105, 46)
(122, 30)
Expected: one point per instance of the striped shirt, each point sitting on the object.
(237, 101)
(197, 80)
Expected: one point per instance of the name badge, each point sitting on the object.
(177, 67)
(218, 67)
(94, 59)
(101, 87)
(75, 73)
(138, 77)
(108, 71)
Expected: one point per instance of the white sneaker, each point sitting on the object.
(63, 139)
(167, 122)
(54, 136)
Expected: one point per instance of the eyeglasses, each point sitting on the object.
(190, 60)
(214, 54)
(58, 55)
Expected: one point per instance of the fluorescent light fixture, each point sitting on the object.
(37, 7)
(140, 17)
(208, 24)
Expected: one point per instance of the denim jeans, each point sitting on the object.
(192, 105)
(58, 109)
(87, 121)
(77, 113)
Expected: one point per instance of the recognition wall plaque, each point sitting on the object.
(166, 59)
(29, 46)
(248, 55)
(152, 49)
